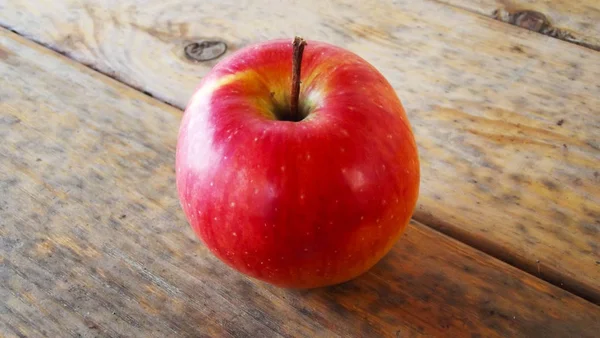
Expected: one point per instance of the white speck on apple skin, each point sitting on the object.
(256, 139)
(362, 218)
(302, 196)
(355, 178)
(282, 168)
(216, 218)
(212, 184)
(234, 234)
(232, 204)
(389, 136)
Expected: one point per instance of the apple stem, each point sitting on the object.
(298, 48)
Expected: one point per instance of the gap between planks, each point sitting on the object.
(490, 248)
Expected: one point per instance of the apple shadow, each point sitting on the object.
(428, 284)
(406, 289)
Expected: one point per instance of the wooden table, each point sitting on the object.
(505, 238)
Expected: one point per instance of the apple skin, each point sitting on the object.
(297, 204)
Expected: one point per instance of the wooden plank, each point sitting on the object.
(506, 119)
(93, 242)
(573, 21)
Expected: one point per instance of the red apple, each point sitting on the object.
(302, 201)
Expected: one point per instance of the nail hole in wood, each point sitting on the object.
(205, 50)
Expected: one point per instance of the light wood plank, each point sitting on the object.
(93, 241)
(506, 120)
(573, 21)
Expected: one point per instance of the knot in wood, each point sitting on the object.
(532, 20)
(205, 50)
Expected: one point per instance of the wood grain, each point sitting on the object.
(506, 119)
(581, 19)
(93, 241)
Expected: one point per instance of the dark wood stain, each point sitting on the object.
(517, 178)
(590, 229)
(517, 48)
(522, 228)
(550, 185)
(4, 54)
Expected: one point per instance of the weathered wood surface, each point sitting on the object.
(576, 21)
(93, 242)
(507, 120)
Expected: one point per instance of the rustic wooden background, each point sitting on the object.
(507, 121)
